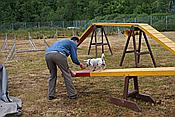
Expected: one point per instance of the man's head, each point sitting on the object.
(76, 39)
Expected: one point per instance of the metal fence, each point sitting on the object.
(29, 25)
(162, 23)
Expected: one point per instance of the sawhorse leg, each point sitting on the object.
(134, 93)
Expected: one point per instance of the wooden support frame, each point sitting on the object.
(130, 74)
(137, 50)
(133, 93)
(102, 44)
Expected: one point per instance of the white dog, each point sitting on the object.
(97, 63)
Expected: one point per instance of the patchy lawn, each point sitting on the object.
(28, 80)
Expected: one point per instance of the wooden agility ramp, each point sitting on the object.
(132, 73)
(129, 74)
(149, 30)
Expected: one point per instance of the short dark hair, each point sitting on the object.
(74, 38)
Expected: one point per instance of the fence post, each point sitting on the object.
(12, 26)
(51, 24)
(135, 19)
(151, 20)
(124, 20)
(63, 24)
(38, 24)
(25, 25)
(76, 23)
(166, 22)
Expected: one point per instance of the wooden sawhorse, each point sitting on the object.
(96, 44)
(137, 51)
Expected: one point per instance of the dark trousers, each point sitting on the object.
(53, 60)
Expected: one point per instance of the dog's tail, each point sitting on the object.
(103, 61)
(103, 56)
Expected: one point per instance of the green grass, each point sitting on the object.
(28, 80)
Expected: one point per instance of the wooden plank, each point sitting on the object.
(159, 71)
(158, 33)
(152, 31)
(147, 27)
(173, 49)
(166, 42)
(172, 45)
(85, 34)
(162, 39)
(116, 24)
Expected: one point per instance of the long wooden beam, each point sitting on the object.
(158, 71)
(116, 24)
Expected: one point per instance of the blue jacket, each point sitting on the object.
(67, 47)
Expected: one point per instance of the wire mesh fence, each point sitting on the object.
(161, 23)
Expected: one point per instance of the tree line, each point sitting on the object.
(68, 10)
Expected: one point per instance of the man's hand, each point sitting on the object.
(82, 66)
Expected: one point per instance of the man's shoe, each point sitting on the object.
(73, 97)
(51, 97)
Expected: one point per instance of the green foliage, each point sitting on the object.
(56, 10)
